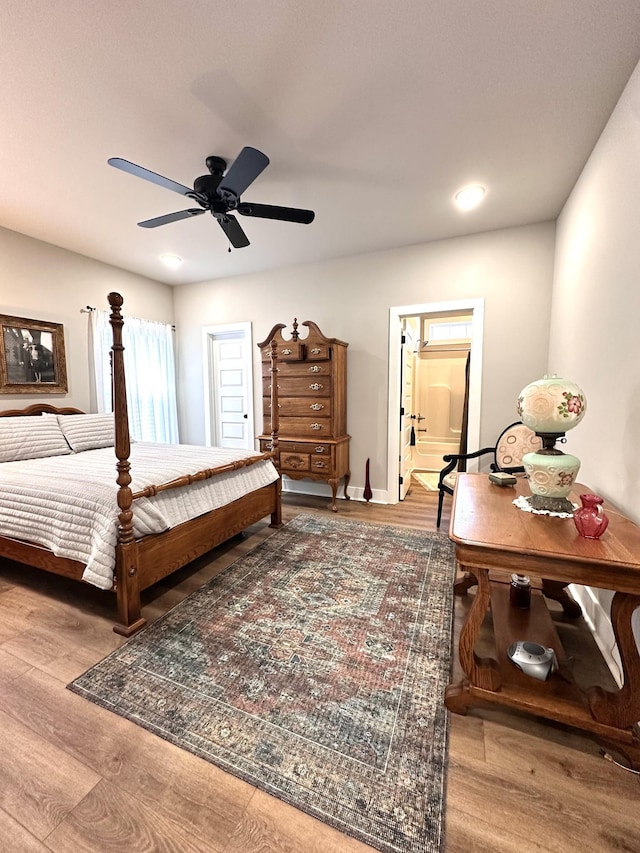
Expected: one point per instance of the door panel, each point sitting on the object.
(229, 386)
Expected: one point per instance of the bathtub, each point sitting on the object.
(427, 453)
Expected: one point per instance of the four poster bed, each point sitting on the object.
(66, 508)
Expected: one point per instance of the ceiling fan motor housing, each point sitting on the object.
(207, 185)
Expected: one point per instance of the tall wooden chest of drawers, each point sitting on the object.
(312, 393)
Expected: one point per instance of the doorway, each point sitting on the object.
(446, 379)
(228, 386)
(440, 388)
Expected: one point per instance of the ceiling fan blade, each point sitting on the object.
(170, 217)
(140, 172)
(234, 232)
(273, 211)
(244, 170)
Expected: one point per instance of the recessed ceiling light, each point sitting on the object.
(469, 197)
(171, 261)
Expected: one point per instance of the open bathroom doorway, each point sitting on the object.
(435, 372)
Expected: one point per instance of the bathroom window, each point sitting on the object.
(454, 332)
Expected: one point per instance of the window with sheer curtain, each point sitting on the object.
(150, 372)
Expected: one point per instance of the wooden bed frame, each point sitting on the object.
(142, 562)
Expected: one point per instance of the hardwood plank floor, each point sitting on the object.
(78, 778)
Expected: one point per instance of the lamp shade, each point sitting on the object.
(551, 405)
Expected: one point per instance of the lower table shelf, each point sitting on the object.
(558, 698)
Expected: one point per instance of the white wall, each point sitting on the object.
(595, 338)
(43, 282)
(349, 299)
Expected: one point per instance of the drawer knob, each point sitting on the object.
(315, 369)
(316, 386)
(320, 448)
(315, 351)
(316, 426)
(316, 407)
(286, 352)
(320, 464)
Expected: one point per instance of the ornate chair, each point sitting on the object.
(512, 444)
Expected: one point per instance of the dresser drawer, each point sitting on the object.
(307, 427)
(295, 461)
(312, 447)
(318, 352)
(301, 406)
(297, 386)
(298, 368)
(305, 462)
(321, 464)
(308, 456)
(288, 351)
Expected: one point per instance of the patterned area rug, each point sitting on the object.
(314, 667)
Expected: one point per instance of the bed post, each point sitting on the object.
(276, 517)
(126, 579)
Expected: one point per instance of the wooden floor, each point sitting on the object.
(74, 777)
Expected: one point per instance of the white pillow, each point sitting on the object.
(30, 438)
(88, 432)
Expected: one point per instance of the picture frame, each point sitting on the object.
(32, 357)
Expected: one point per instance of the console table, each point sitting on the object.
(493, 538)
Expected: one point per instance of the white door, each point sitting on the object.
(229, 386)
(407, 360)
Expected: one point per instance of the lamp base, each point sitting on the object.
(544, 502)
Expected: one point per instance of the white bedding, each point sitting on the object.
(68, 503)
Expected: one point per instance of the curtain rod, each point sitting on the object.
(88, 309)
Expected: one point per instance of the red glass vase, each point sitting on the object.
(590, 519)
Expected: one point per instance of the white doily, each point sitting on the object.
(522, 502)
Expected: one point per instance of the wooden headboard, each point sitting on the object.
(40, 408)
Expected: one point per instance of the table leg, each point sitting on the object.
(481, 672)
(621, 708)
(333, 482)
(347, 478)
(464, 583)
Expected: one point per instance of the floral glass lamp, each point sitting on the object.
(550, 407)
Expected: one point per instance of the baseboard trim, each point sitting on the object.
(311, 487)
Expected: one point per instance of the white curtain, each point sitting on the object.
(150, 373)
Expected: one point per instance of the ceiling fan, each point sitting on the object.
(219, 193)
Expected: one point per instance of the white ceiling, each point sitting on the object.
(372, 112)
